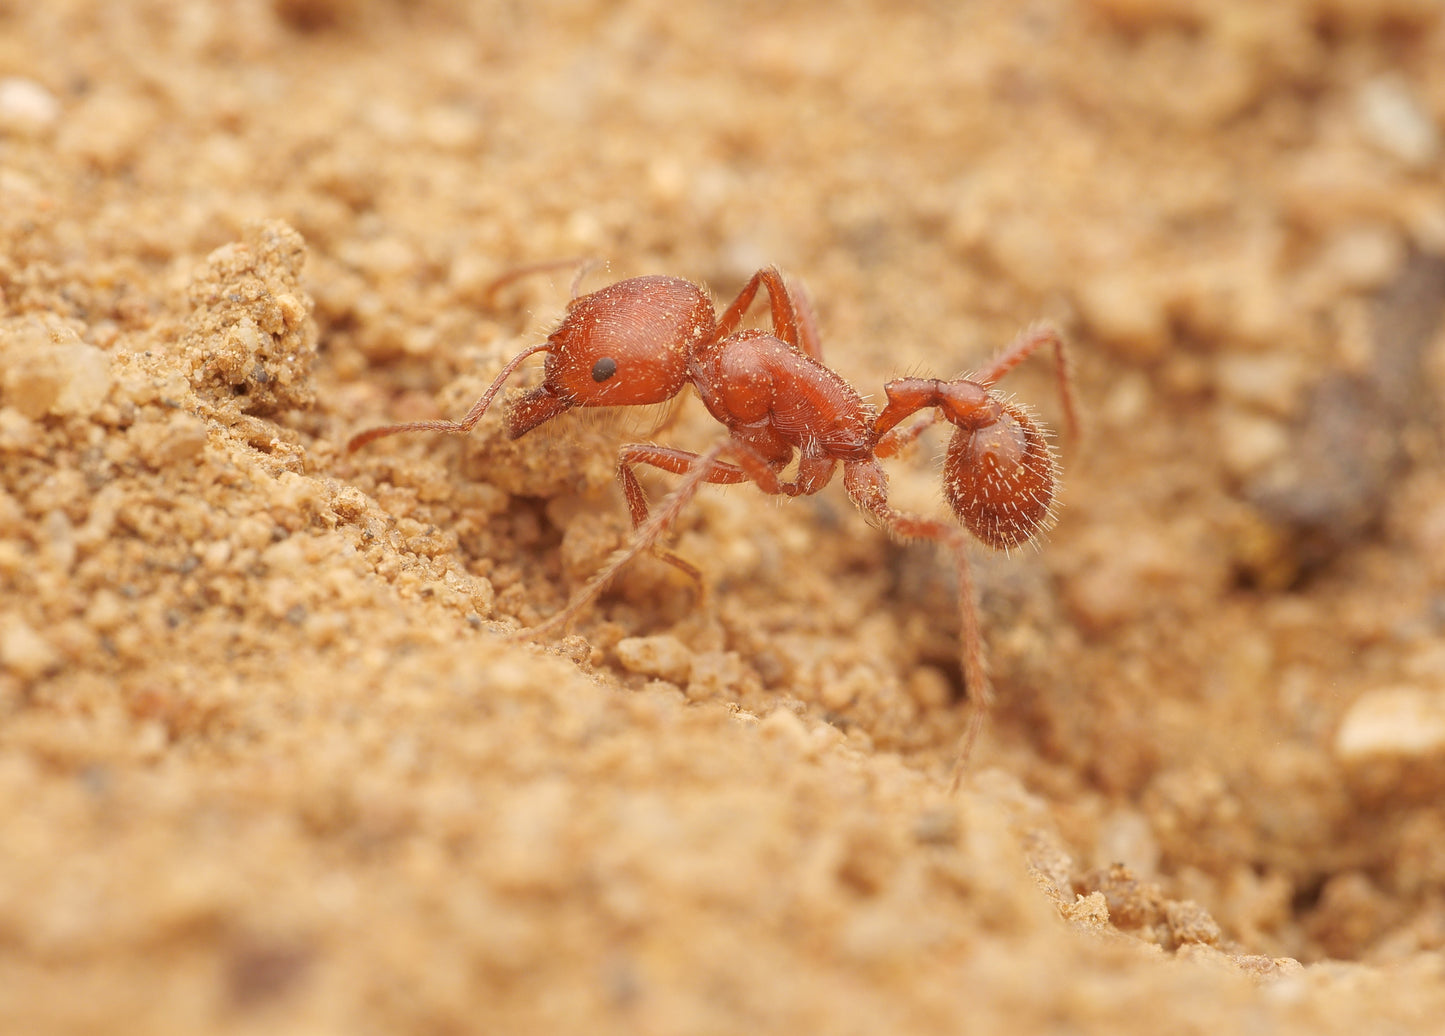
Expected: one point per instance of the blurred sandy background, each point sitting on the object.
(265, 763)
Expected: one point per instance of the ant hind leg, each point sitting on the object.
(896, 440)
(1023, 346)
(867, 486)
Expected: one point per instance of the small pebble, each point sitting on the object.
(1270, 382)
(49, 371)
(662, 656)
(23, 651)
(1363, 258)
(180, 439)
(1190, 923)
(1250, 443)
(1126, 837)
(783, 724)
(1130, 317)
(26, 106)
(1394, 121)
(1400, 722)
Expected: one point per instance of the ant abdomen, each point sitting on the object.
(999, 479)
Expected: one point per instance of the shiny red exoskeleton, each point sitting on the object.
(640, 341)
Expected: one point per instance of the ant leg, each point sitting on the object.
(1023, 345)
(784, 311)
(813, 475)
(462, 427)
(867, 486)
(808, 340)
(702, 469)
(897, 440)
(679, 462)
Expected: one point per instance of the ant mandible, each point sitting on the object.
(641, 341)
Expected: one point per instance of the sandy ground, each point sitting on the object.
(265, 761)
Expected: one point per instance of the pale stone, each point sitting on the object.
(1393, 721)
(26, 106)
(1396, 122)
(23, 651)
(662, 656)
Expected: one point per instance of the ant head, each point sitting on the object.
(999, 478)
(625, 345)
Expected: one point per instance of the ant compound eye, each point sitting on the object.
(999, 480)
(604, 369)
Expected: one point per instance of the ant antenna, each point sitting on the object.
(466, 424)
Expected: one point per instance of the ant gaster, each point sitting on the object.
(640, 341)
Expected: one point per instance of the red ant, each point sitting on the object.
(640, 341)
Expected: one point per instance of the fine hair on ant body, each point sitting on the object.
(642, 340)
